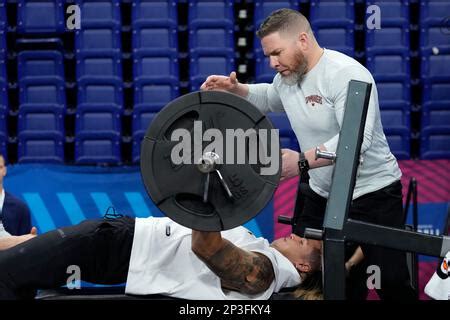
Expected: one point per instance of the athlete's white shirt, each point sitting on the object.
(165, 264)
(315, 109)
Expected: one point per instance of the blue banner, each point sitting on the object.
(61, 195)
(431, 220)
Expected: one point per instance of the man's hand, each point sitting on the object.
(12, 241)
(26, 237)
(355, 259)
(289, 162)
(215, 82)
(33, 231)
(31, 235)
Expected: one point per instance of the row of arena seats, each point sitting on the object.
(155, 45)
(211, 23)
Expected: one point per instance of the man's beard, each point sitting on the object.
(296, 76)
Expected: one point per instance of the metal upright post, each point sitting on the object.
(415, 207)
(341, 192)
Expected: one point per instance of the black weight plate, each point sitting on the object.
(178, 189)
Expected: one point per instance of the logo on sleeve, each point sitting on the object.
(442, 270)
(313, 99)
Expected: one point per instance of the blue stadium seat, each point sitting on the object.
(155, 93)
(41, 147)
(3, 67)
(41, 118)
(100, 91)
(40, 16)
(207, 12)
(3, 19)
(393, 13)
(396, 119)
(435, 132)
(99, 64)
(257, 48)
(3, 96)
(97, 148)
(3, 145)
(435, 143)
(336, 38)
(156, 66)
(436, 92)
(154, 11)
(389, 67)
(203, 65)
(332, 13)
(387, 40)
(434, 12)
(434, 39)
(3, 55)
(211, 34)
(136, 150)
(394, 95)
(399, 141)
(102, 38)
(94, 119)
(436, 114)
(287, 136)
(394, 100)
(211, 38)
(40, 64)
(263, 72)
(3, 125)
(436, 95)
(436, 105)
(159, 38)
(433, 23)
(2, 43)
(333, 24)
(99, 11)
(142, 117)
(48, 90)
(435, 68)
(264, 8)
(3, 131)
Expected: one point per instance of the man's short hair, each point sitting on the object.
(283, 20)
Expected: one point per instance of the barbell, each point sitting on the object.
(210, 160)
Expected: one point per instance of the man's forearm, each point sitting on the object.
(11, 241)
(8, 242)
(310, 155)
(355, 259)
(206, 243)
(239, 270)
(220, 255)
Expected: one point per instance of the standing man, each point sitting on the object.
(311, 87)
(15, 216)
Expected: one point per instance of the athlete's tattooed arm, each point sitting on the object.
(240, 270)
